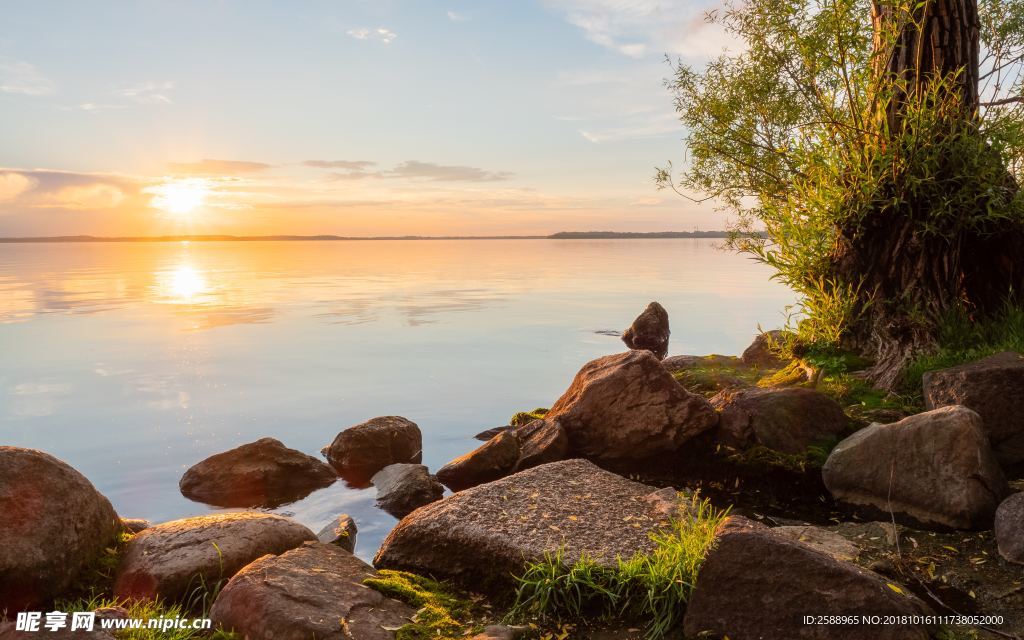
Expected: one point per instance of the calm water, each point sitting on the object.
(134, 361)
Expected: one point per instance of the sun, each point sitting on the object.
(180, 197)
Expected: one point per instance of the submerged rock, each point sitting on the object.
(649, 331)
(483, 536)
(340, 532)
(628, 407)
(992, 387)
(314, 591)
(403, 488)
(787, 419)
(494, 459)
(934, 467)
(1009, 528)
(361, 451)
(169, 559)
(53, 523)
(756, 584)
(264, 473)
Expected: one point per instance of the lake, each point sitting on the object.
(133, 361)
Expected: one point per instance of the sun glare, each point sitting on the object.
(180, 197)
(185, 283)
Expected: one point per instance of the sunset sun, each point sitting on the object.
(180, 197)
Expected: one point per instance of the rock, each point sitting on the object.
(934, 467)
(403, 488)
(649, 331)
(992, 387)
(264, 473)
(314, 591)
(483, 536)
(361, 451)
(755, 584)
(540, 442)
(170, 559)
(492, 460)
(665, 502)
(824, 540)
(628, 407)
(341, 532)
(759, 353)
(53, 524)
(788, 419)
(487, 434)
(501, 632)
(1010, 528)
(135, 525)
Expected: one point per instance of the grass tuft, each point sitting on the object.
(145, 610)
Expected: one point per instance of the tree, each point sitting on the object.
(880, 151)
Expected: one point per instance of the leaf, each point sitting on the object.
(895, 588)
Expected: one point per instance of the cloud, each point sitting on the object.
(85, 197)
(385, 36)
(455, 16)
(148, 92)
(431, 171)
(13, 184)
(49, 189)
(23, 78)
(351, 165)
(211, 167)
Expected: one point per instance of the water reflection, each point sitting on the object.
(182, 285)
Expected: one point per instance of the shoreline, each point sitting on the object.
(585, 235)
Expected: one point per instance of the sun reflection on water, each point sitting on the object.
(183, 285)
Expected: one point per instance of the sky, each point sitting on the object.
(347, 117)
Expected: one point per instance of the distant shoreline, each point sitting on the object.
(562, 235)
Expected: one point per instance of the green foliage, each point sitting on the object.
(522, 418)
(651, 587)
(790, 133)
(443, 612)
(761, 458)
(145, 610)
(715, 374)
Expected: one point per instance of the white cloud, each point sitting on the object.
(455, 16)
(23, 78)
(148, 92)
(385, 36)
(13, 184)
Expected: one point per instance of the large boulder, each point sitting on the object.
(1009, 528)
(361, 451)
(935, 467)
(494, 459)
(761, 352)
(482, 537)
(755, 584)
(992, 387)
(540, 442)
(341, 532)
(170, 559)
(788, 419)
(53, 523)
(264, 473)
(649, 331)
(403, 488)
(314, 591)
(628, 407)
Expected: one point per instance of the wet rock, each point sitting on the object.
(787, 419)
(135, 525)
(992, 387)
(403, 488)
(483, 536)
(314, 591)
(494, 459)
(540, 442)
(341, 532)
(756, 584)
(628, 407)
(935, 467)
(361, 451)
(169, 559)
(1010, 528)
(53, 524)
(649, 331)
(759, 353)
(264, 473)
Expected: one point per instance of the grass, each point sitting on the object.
(442, 611)
(761, 458)
(713, 375)
(145, 610)
(652, 587)
(522, 418)
(97, 577)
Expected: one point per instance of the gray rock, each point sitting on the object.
(787, 419)
(314, 591)
(53, 524)
(483, 536)
(403, 488)
(935, 467)
(824, 540)
(760, 354)
(341, 532)
(992, 387)
(494, 459)
(170, 559)
(264, 473)
(1009, 528)
(628, 407)
(649, 331)
(361, 451)
(755, 584)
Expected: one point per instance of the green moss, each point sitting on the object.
(761, 458)
(443, 611)
(522, 418)
(145, 610)
(709, 379)
(652, 587)
(792, 374)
